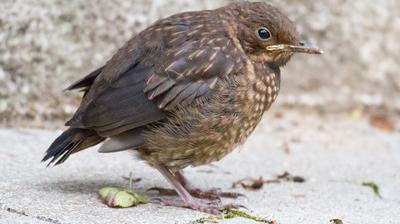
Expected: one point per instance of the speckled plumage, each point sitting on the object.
(213, 125)
(186, 90)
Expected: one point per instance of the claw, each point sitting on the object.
(214, 194)
(210, 207)
(224, 194)
(185, 191)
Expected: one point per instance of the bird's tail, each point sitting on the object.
(70, 141)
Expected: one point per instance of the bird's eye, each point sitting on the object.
(263, 33)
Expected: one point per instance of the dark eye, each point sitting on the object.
(263, 33)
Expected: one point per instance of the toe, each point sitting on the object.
(231, 195)
(226, 194)
(214, 194)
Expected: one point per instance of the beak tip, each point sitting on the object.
(311, 47)
(320, 51)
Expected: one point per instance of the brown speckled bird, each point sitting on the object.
(185, 92)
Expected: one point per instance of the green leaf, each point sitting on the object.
(230, 214)
(124, 200)
(118, 198)
(373, 186)
(103, 192)
(140, 198)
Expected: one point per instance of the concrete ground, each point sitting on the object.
(334, 153)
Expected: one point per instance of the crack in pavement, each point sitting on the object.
(25, 213)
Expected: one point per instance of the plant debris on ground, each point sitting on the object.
(122, 198)
(336, 221)
(382, 122)
(230, 214)
(134, 180)
(256, 184)
(374, 187)
(119, 198)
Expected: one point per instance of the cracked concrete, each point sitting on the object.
(333, 152)
(11, 215)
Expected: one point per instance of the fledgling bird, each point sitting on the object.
(185, 92)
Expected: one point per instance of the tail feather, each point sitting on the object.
(70, 141)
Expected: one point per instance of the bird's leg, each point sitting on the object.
(187, 200)
(213, 194)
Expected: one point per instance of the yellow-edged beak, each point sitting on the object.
(303, 47)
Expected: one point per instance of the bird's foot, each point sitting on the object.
(212, 207)
(213, 194)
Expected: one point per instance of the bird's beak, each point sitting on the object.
(302, 47)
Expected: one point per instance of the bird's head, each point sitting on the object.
(267, 35)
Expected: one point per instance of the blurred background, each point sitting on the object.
(336, 122)
(45, 45)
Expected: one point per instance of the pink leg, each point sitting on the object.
(187, 200)
(213, 194)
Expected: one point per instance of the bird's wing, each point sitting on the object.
(146, 79)
(186, 73)
(118, 106)
(85, 82)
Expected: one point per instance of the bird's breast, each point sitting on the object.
(212, 127)
(258, 90)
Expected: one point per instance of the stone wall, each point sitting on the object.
(45, 45)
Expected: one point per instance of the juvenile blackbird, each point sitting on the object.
(185, 92)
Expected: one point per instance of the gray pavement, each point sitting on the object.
(334, 153)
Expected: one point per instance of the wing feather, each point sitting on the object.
(192, 73)
(149, 77)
